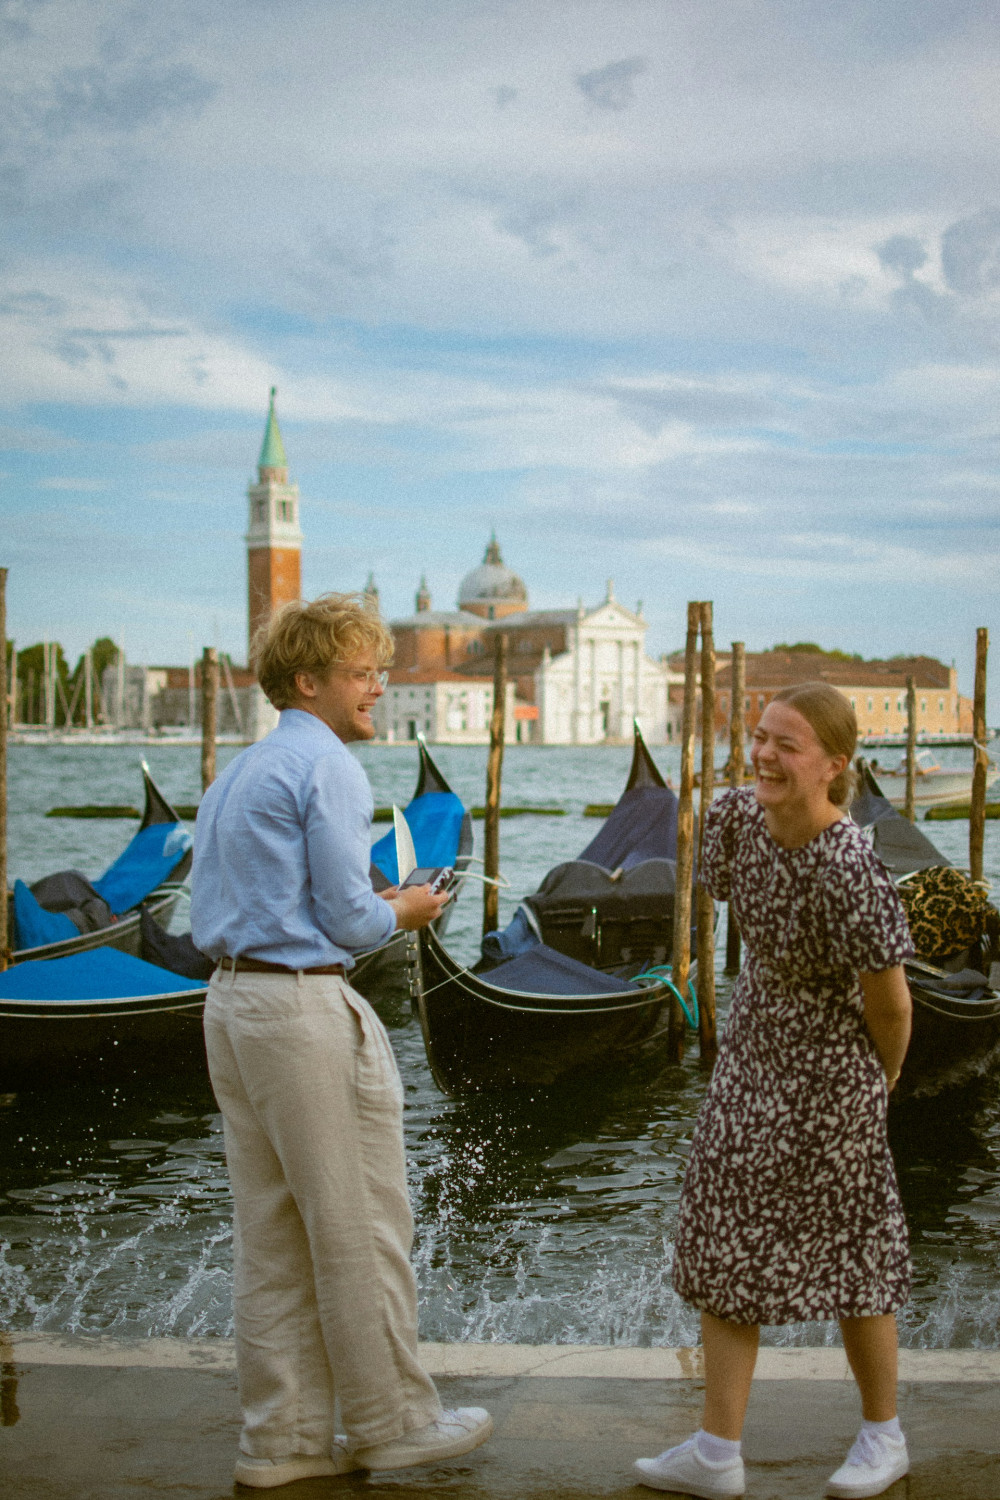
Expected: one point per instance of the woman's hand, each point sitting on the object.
(889, 1015)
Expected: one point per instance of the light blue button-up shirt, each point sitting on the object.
(281, 853)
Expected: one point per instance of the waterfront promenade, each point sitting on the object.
(100, 1420)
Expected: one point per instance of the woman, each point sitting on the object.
(790, 1210)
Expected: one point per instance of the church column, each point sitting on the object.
(637, 668)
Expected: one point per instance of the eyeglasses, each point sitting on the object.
(371, 680)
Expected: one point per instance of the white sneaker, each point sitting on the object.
(269, 1473)
(454, 1433)
(684, 1470)
(873, 1464)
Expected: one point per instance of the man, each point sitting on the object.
(325, 1297)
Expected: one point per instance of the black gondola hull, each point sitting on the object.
(57, 1041)
(479, 1037)
(954, 1041)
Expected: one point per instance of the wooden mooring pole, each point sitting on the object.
(737, 760)
(494, 775)
(209, 714)
(910, 805)
(681, 962)
(4, 934)
(707, 1043)
(977, 809)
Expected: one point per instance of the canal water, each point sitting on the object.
(538, 1218)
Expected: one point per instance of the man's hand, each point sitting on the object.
(415, 907)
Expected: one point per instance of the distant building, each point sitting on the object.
(578, 676)
(447, 709)
(169, 698)
(876, 690)
(274, 541)
(274, 551)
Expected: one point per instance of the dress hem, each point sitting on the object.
(751, 1320)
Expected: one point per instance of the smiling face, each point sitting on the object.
(793, 770)
(344, 698)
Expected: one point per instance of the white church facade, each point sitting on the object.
(593, 690)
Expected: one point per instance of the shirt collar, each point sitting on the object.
(301, 722)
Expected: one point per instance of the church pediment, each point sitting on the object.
(614, 615)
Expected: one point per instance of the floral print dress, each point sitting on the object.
(790, 1209)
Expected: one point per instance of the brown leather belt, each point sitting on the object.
(261, 966)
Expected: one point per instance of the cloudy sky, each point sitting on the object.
(701, 295)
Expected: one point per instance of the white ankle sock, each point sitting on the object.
(889, 1429)
(716, 1449)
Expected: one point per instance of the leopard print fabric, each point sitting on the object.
(948, 913)
(790, 1209)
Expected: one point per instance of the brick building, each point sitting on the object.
(876, 690)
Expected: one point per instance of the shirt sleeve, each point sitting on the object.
(866, 922)
(718, 844)
(337, 821)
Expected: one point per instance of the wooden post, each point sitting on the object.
(737, 760)
(4, 935)
(209, 714)
(977, 808)
(88, 689)
(681, 963)
(910, 805)
(707, 1045)
(494, 774)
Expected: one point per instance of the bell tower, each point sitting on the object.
(274, 541)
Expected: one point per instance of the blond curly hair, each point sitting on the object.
(313, 637)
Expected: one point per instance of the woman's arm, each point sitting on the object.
(888, 1012)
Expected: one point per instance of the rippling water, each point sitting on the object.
(545, 1218)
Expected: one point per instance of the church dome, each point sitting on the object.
(492, 590)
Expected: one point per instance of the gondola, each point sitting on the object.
(150, 871)
(956, 1012)
(389, 976)
(564, 989)
(97, 1013)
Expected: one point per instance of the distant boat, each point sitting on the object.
(564, 988)
(441, 828)
(150, 870)
(956, 1012)
(933, 785)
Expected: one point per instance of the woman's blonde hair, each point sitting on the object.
(304, 637)
(834, 724)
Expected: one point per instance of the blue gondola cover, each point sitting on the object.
(99, 974)
(34, 927)
(143, 865)
(435, 820)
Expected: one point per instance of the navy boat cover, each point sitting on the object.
(544, 971)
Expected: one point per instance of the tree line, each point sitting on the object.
(68, 686)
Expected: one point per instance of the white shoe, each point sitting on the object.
(873, 1464)
(685, 1471)
(454, 1433)
(269, 1473)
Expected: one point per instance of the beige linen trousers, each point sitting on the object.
(324, 1294)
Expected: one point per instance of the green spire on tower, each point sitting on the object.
(272, 453)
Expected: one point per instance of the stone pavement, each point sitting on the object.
(98, 1420)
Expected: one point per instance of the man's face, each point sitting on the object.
(344, 698)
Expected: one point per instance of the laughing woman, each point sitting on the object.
(790, 1210)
